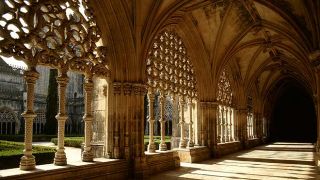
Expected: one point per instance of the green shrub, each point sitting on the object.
(11, 153)
(70, 141)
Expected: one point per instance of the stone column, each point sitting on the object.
(227, 124)
(151, 97)
(162, 146)
(223, 130)
(27, 161)
(60, 156)
(115, 123)
(182, 143)
(190, 143)
(232, 124)
(87, 155)
(249, 125)
(235, 124)
(219, 124)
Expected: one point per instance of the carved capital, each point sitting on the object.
(62, 80)
(127, 89)
(116, 88)
(151, 94)
(31, 76)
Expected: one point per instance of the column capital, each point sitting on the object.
(190, 101)
(88, 85)
(151, 94)
(182, 99)
(31, 75)
(62, 80)
(139, 89)
(127, 89)
(116, 88)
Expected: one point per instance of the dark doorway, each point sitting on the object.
(293, 117)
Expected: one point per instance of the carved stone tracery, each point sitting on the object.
(170, 73)
(225, 115)
(56, 33)
(168, 66)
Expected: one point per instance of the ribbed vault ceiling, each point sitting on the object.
(261, 41)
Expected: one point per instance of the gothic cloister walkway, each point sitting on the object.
(279, 160)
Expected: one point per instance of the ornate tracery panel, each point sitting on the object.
(225, 113)
(61, 34)
(170, 74)
(168, 66)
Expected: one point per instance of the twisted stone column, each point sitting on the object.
(190, 143)
(182, 143)
(163, 146)
(151, 97)
(27, 161)
(87, 155)
(60, 156)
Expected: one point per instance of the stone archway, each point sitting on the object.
(62, 35)
(293, 115)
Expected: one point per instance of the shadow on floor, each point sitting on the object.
(274, 161)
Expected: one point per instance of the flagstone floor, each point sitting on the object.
(274, 161)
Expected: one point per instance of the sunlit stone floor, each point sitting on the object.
(275, 161)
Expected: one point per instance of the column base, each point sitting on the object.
(151, 148)
(60, 159)
(87, 156)
(27, 163)
(182, 144)
(195, 154)
(163, 147)
(190, 144)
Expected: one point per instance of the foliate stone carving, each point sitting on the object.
(224, 89)
(127, 88)
(168, 66)
(116, 88)
(59, 33)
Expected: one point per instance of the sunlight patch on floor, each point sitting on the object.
(276, 161)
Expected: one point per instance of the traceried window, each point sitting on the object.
(39, 122)
(225, 114)
(171, 81)
(8, 121)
